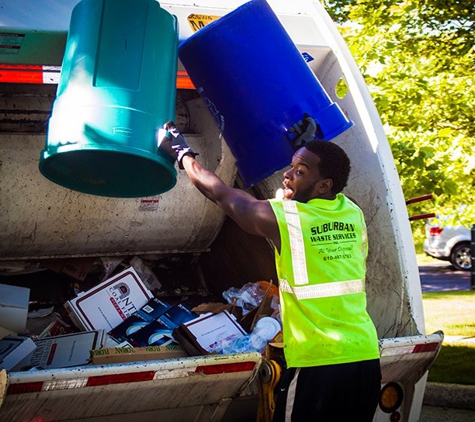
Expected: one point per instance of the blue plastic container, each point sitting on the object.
(117, 86)
(256, 85)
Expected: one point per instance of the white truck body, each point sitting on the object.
(39, 220)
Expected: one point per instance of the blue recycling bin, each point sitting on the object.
(117, 86)
(256, 85)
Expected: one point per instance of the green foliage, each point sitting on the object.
(418, 59)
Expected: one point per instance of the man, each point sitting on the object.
(330, 343)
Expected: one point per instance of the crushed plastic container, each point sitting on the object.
(256, 85)
(117, 87)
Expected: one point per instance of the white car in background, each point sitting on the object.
(449, 243)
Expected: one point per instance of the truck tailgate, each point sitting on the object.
(192, 389)
(408, 358)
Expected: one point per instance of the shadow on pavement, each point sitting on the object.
(441, 276)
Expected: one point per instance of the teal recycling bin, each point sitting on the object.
(256, 85)
(117, 86)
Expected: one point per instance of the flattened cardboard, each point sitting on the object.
(176, 315)
(65, 351)
(153, 324)
(128, 328)
(14, 307)
(109, 303)
(156, 333)
(154, 308)
(140, 319)
(202, 335)
(13, 349)
(137, 354)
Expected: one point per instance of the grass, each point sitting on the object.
(454, 365)
(453, 312)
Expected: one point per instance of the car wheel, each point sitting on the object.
(461, 257)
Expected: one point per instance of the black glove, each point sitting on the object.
(305, 130)
(174, 144)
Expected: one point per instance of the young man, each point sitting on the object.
(330, 343)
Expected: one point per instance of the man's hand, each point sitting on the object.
(174, 144)
(305, 130)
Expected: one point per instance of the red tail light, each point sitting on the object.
(435, 231)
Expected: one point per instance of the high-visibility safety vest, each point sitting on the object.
(321, 269)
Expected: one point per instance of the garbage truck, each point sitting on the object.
(192, 247)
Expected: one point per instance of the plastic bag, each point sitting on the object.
(248, 343)
(247, 297)
(264, 331)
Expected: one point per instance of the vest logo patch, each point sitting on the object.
(330, 239)
(322, 233)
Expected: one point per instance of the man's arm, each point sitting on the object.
(252, 215)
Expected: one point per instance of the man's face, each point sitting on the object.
(303, 182)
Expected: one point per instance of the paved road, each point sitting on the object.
(440, 276)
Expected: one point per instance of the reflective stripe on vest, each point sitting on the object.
(297, 247)
(314, 291)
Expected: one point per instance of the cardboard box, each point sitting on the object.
(109, 303)
(153, 324)
(154, 308)
(144, 316)
(128, 328)
(156, 333)
(137, 354)
(202, 335)
(65, 351)
(176, 315)
(14, 307)
(160, 331)
(13, 349)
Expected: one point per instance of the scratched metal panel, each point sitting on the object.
(176, 388)
(40, 219)
(193, 391)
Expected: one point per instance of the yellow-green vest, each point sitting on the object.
(321, 270)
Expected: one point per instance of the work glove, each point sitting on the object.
(305, 130)
(174, 143)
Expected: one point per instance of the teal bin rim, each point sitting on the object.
(111, 171)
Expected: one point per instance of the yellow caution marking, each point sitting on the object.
(200, 21)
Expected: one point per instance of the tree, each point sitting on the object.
(418, 59)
